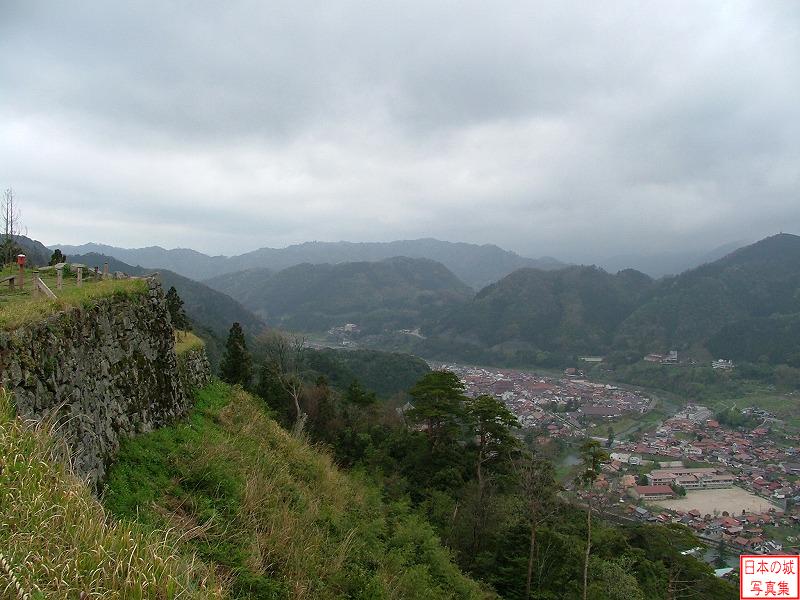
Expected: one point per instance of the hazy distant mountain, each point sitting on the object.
(36, 253)
(394, 293)
(667, 263)
(186, 262)
(206, 307)
(758, 281)
(475, 265)
(745, 306)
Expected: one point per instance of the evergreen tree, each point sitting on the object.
(592, 457)
(271, 388)
(357, 395)
(490, 424)
(438, 400)
(176, 312)
(237, 364)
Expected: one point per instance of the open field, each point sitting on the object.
(733, 500)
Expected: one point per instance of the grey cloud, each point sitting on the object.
(574, 131)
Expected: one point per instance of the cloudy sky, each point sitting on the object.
(576, 129)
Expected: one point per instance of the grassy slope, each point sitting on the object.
(58, 541)
(186, 340)
(276, 516)
(18, 309)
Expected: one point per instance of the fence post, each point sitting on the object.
(21, 276)
(105, 270)
(35, 288)
(80, 276)
(60, 278)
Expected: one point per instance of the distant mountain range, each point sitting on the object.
(394, 293)
(475, 265)
(745, 305)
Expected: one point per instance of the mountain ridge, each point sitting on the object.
(752, 290)
(475, 264)
(398, 292)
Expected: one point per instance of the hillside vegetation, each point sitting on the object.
(573, 310)
(58, 542)
(390, 294)
(385, 373)
(275, 516)
(755, 282)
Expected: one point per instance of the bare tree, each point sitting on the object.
(287, 354)
(537, 480)
(12, 224)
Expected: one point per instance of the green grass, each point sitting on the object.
(276, 517)
(186, 341)
(59, 542)
(19, 309)
(783, 405)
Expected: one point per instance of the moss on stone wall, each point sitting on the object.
(102, 370)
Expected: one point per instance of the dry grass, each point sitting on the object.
(58, 541)
(275, 513)
(19, 309)
(186, 341)
(288, 492)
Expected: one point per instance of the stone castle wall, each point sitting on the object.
(101, 373)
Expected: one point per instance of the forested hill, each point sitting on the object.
(390, 294)
(745, 305)
(577, 309)
(477, 265)
(724, 303)
(206, 308)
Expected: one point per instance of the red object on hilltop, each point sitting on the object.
(21, 260)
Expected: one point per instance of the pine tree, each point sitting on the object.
(237, 364)
(357, 395)
(176, 311)
(438, 400)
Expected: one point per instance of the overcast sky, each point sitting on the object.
(575, 131)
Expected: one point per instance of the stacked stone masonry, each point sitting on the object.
(101, 373)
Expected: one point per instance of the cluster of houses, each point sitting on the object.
(561, 406)
(745, 533)
(761, 463)
(723, 458)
